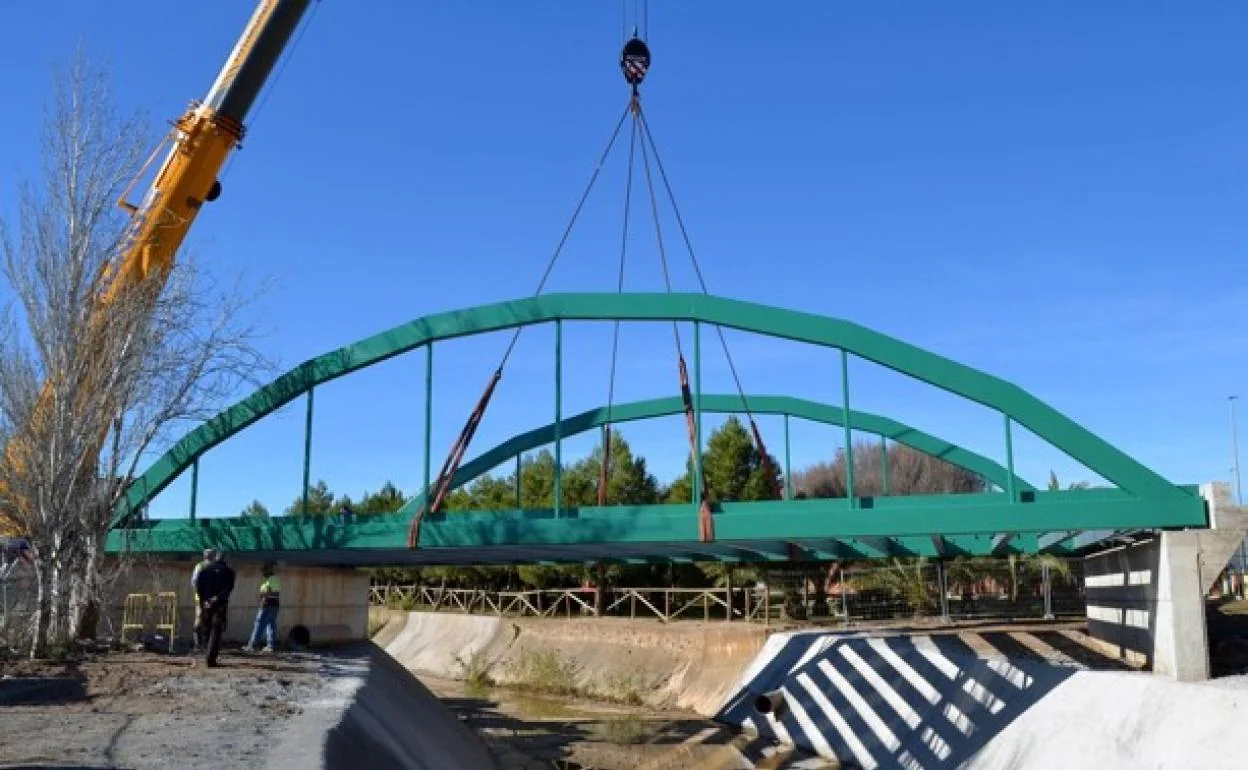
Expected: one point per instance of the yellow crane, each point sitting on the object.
(198, 146)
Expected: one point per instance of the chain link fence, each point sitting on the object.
(908, 590)
(17, 599)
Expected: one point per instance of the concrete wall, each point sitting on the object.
(331, 602)
(1146, 600)
(688, 665)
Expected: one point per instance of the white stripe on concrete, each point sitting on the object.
(818, 646)
(813, 733)
(1009, 673)
(928, 649)
(1104, 581)
(886, 691)
(1105, 614)
(861, 754)
(939, 746)
(911, 676)
(983, 696)
(958, 719)
(860, 705)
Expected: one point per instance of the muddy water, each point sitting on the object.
(541, 731)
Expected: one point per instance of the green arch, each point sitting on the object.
(1020, 406)
(729, 404)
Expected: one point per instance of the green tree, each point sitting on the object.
(1055, 485)
(320, 501)
(388, 499)
(255, 510)
(734, 469)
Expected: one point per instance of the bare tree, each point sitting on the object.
(910, 472)
(98, 371)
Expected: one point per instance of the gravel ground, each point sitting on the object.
(140, 711)
(147, 711)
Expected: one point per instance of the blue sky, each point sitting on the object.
(1053, 193)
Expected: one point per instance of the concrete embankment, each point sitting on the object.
(688, 665)
(1009, 697)
(375, 714)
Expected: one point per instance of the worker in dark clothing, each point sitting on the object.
(213, 585)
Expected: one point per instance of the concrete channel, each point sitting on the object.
(984, 698)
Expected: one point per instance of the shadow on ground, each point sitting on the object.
(1227, 623)
(902, 701)
(64, 686)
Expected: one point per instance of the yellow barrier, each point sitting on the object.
(165, 614)
(160, 611)
(135, 613)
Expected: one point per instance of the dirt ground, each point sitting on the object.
(141, 711)
(134, 710)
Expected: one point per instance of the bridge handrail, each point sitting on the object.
(1012, 401)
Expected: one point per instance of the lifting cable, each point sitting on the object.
(442, 487)
(634, 63)
(697, 267)
(604, 473)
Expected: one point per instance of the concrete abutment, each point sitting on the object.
(1146, 600)
(330, 603)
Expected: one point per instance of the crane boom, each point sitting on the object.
(198, 146)
(202, 140)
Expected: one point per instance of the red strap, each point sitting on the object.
(449, 468)
(706, 525)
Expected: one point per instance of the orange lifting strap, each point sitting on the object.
(706, 525)
(451, 466)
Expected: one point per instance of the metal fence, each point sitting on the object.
(17, 602)
(901, 590)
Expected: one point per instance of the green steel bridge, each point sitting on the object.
(1014, 517)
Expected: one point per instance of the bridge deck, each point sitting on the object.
(931, 525)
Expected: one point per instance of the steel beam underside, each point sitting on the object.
(761, 531)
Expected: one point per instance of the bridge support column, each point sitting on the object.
(1147, 600)
(331, 603)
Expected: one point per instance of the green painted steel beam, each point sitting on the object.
(725, 404)
(1041, 419)
(638, 530)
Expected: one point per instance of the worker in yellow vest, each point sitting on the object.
(266, 616)
(210, 556)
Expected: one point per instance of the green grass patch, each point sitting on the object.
(545, 671)
(476, 672)
(623, 730)
(620, 687)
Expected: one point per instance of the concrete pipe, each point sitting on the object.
(773, 703)
(328, 633)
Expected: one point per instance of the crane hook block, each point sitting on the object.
(635, 61)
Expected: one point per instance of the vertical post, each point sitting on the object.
(428, 417)
(697, 413)
(884, 463)
(518, 505)
(1239, 490)
(194, 486)
(788, 473)
(1009, 460)
(307, 453)
(558, 415)
(942, 584)
(1047, 584)
(849, 431)
(844, 596)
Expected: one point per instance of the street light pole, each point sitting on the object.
(1239, 490)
